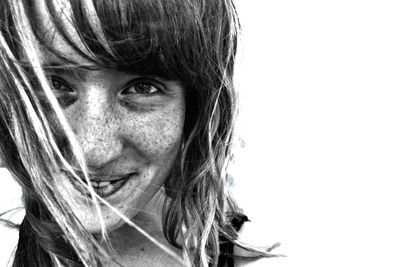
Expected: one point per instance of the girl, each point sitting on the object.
(117, 120)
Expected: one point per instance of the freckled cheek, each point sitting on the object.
(158, 136)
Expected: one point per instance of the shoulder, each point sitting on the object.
(253, 235)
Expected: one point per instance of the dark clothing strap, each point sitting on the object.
(226, 247)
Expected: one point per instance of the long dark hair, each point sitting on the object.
(192, 41)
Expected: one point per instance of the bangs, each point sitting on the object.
(149, 37)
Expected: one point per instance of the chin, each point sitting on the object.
(91, 221)
(110, 225)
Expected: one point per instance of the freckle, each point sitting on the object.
(142, 249)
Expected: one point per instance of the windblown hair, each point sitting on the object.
(191, 41)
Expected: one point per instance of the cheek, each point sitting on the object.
(156, 135)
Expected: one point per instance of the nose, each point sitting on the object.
(96, 126)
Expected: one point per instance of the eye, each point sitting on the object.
(143, 87)
(59, 85)
(64, 93)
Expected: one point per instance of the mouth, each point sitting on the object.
(107, 188)
(103, 186)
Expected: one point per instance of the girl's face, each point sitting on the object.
(129, 127)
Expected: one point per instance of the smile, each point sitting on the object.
(103, 186)
(105, 189)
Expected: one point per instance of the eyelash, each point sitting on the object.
(149, 83)
(154, 86)
(61, 82)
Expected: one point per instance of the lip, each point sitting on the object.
(109, 178)
(95, 177)
(117, 182)
(111, 188)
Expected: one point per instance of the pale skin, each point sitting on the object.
(124, 123)
(123, 130)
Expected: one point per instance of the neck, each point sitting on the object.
(135, 249)
(149, 219)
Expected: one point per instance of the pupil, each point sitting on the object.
(56, 85)
(143, 88)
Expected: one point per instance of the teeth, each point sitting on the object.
(103, 184)
(100, 184)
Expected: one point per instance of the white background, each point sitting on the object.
(319, 84)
